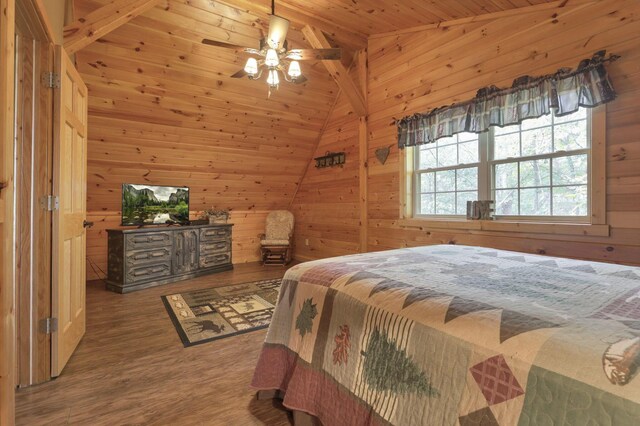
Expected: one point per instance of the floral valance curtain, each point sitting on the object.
(529, 97)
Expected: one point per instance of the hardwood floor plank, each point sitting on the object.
(131, 367)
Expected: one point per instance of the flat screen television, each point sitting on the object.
(150, 204)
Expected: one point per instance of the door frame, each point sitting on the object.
(8, 309)
(7, 284)
(33, 235)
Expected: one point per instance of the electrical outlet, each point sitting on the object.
(306, 241)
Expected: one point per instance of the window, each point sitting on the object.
(539, 169)
(448, 175)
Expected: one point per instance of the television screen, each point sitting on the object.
(149, 204)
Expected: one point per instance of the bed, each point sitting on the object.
(449, 334)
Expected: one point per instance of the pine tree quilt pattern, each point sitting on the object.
(448, 335)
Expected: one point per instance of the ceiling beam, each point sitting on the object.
(339, 73)
(84, 31)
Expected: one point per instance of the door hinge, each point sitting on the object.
(51, 80)
(48, 325)
(50, 203)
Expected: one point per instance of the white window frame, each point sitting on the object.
(417, 183)
(593, 224)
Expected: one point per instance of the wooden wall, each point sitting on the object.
(414, 71)
(326, 205)
(163, 110)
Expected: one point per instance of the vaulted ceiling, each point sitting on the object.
(169, 36)
(160, 100)
(366, 17)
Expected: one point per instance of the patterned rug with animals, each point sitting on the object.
(212, 313)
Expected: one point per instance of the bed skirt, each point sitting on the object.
(300, 418)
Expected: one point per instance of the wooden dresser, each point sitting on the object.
(146, 257)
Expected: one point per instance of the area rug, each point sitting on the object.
(213, 313)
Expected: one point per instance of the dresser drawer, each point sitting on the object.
(142, 258)
(210, 234)
(148, 240)
(148, 272)
(153, 255)
(214, 260)
(214, 247)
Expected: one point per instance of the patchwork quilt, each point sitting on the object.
(447, 335)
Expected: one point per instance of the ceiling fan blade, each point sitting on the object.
(222, 44)
(314, 54)
(300, 80)
(239, 74)
(234, 47)
(278, 28)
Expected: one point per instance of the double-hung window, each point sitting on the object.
(447, 175)
(536, 170)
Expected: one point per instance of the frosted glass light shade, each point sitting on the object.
(271, 60)
(294, 69)
(273, 79)
(251, 67)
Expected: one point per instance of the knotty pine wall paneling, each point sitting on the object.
(412, 72)
(164, 111)
(326, 206)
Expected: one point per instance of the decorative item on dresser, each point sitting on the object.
(216, 216)
(146, 257)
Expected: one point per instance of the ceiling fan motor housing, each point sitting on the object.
(278, 28)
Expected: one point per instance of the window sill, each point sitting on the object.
(586, 229)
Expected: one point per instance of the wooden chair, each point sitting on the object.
(276, 244)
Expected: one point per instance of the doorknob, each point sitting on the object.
(87, 224)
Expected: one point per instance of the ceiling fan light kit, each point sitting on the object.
(275, 57)
(272, 59)
(251, 68)
(272, 78)
(294, 69)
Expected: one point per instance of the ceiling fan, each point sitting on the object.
(274, 55)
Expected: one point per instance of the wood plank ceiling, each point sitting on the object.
(379, 16)
(348, 21)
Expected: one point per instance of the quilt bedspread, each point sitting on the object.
(446, 335)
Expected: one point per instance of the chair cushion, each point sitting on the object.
(279, 225)
(274, 242)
